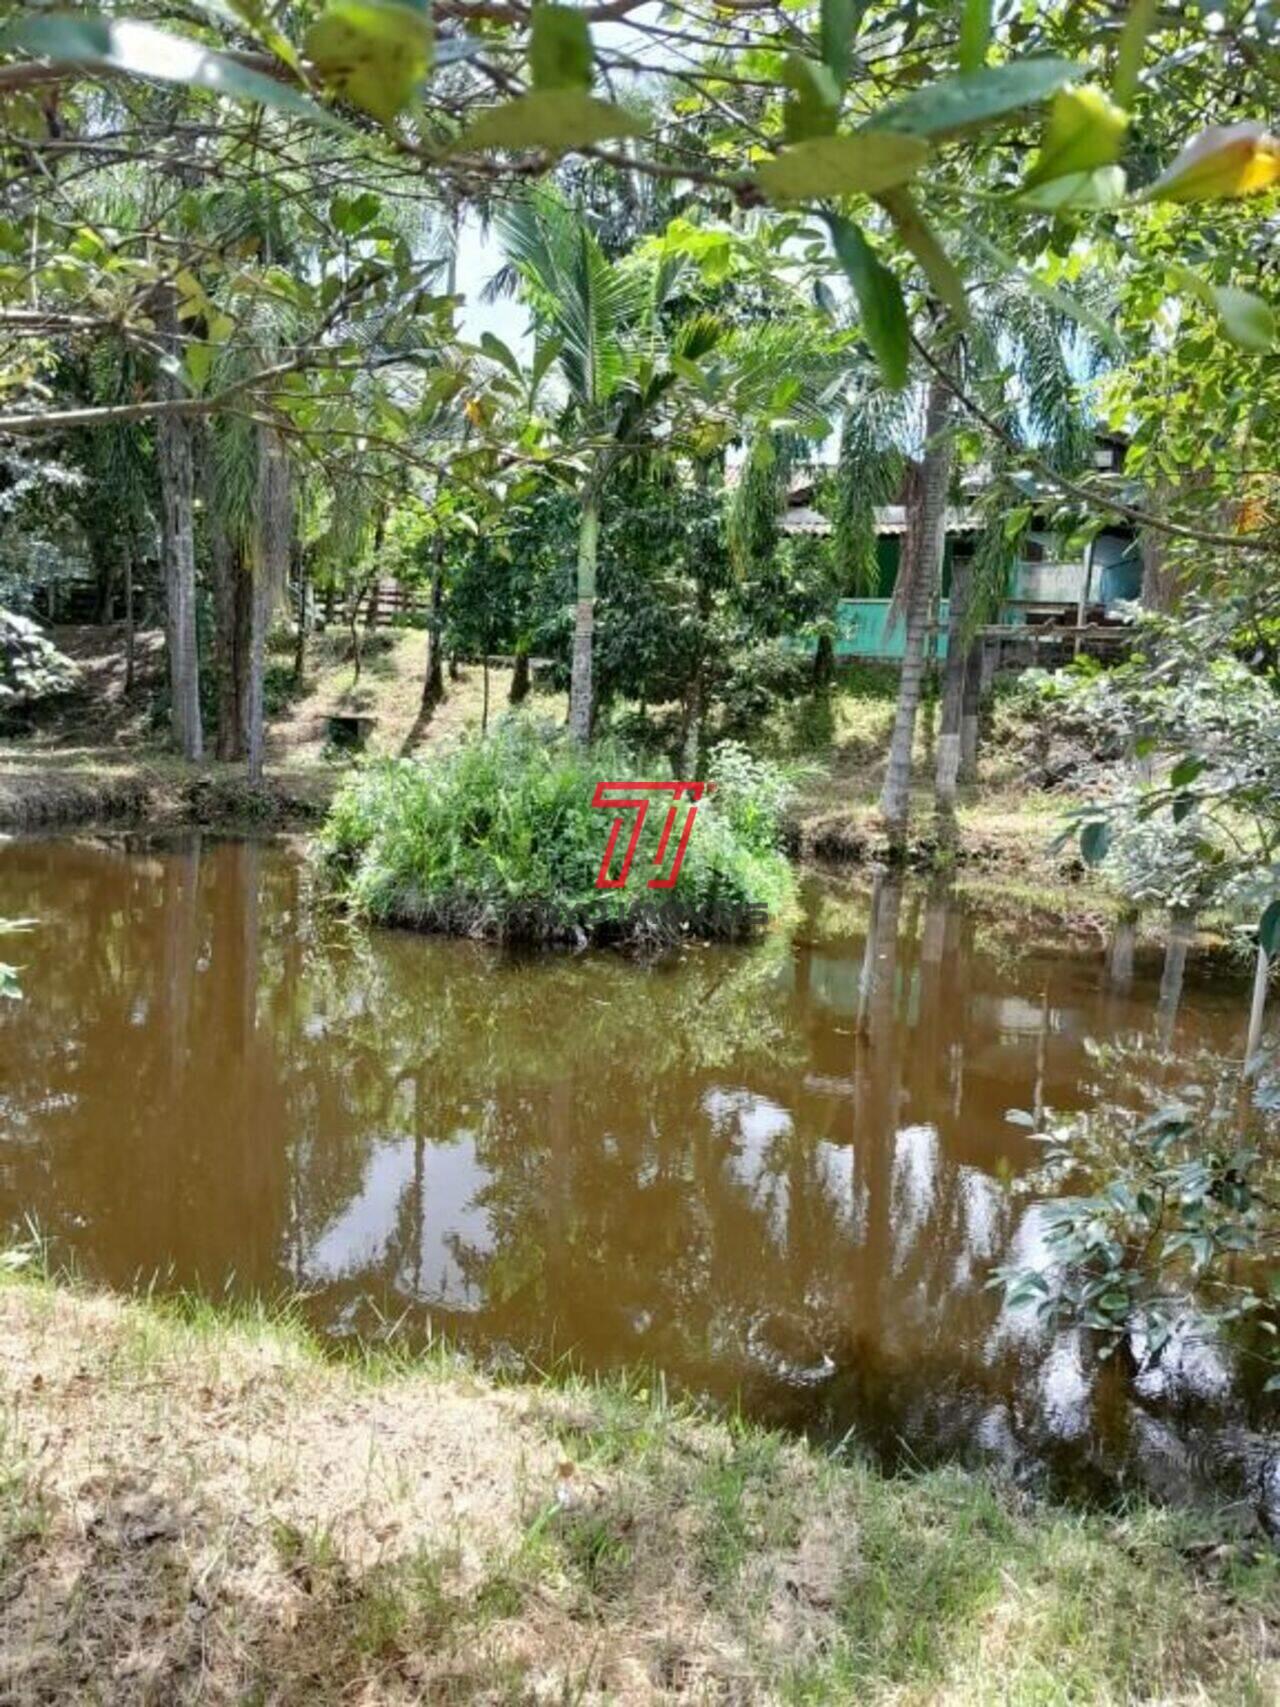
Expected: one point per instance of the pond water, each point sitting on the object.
(780, 1175)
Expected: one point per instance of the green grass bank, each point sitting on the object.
(201, 1507)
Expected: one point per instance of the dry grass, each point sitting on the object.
(199, 1510)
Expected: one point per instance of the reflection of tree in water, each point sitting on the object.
(772, 1170)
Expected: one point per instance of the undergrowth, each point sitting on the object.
(499, 839)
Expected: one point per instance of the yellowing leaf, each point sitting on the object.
(1085, 130)
(374, 52)
(842, 166)
(554, 119)
(1223, 161)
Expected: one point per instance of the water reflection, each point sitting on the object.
(776, 1173)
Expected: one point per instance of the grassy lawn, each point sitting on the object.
(199, 1507)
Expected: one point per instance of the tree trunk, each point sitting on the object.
(581, 705)
(273, 536)
(954, 678)
(926, 523)
(520, 676)
(484, 704)
(260, 608)
(128, 619)
(972, 710)
(177, 512)
(230, 624)
(300, 639)
(691, 745)
(824, 661)
(106, 590)
(433, 684)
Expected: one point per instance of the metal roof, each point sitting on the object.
(890, 519)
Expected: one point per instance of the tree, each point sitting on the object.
(599, 325)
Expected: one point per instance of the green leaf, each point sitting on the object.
(559, 48)
(977, 97)
(1103, 188)
(350, 214)
(497, 351)
(1095, 839)
(975, 34)
(917, 235)
(143, 51)
(825, 166)
(1183, 806)
(1225, 161)
(1246, 319)
(374, 52)
(838, 26)
(554, 119)
(884, 314)
(1133, 41)
(1085, 130)
(816, 104)
(198, 361)
(1186, 771)
(1269, 930)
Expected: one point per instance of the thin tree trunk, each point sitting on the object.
(106, 591)
(433, 683)
(128, 619)
(273, 533)
(581, 705)
(300, 640)
(259, 608)
(691, 746)
(177, 511)
(824, 661)
(484, 704)
(230, 623)
(520, 676)
(970, 726)
(927, 501)
(947, 774)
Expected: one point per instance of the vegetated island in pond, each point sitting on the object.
(499, 839)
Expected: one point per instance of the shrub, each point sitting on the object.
(31, 666)
(499, 839)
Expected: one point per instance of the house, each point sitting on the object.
(1051, 596)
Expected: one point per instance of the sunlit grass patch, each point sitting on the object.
(198, 1504)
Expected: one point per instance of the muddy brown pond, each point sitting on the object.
(779, 1175)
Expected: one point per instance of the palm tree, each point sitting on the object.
(601, 321)
(1027, 357)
